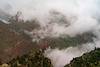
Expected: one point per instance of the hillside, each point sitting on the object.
(12, 44)
(66, 41)
(34, 58)
(91, 59)
(13, 39)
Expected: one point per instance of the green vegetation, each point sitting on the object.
(91, 59)
(34, 58)
(66, 41)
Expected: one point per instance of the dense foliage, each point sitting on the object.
(34, 58)
(66, 41)
(91, 59)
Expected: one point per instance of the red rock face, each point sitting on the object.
(12, 44)
(43, 45)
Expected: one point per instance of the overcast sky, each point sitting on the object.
(27, 6)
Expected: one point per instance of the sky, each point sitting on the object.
(31, 8)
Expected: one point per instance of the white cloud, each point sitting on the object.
(62, 57)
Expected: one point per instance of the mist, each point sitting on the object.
(80, 16)
(61, 57)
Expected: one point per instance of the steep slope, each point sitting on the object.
(66, 41)
(91, 59)
(12, 44)
(34, 58)
(21, 25)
